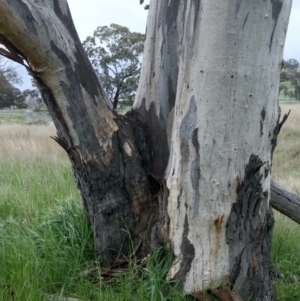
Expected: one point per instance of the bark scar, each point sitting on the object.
(245, 20)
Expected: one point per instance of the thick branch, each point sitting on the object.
(285, 201)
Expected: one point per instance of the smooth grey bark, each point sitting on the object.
(285, 201)
(156, 94)
(221, 131)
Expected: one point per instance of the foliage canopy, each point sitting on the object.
(115, 53)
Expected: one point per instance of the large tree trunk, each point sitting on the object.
(190, 165)
(221, 120)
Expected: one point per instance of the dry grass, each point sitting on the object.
(23, 142)
(286, 164)
(293, 122)
(33, 142)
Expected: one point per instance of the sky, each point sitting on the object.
(89, 14)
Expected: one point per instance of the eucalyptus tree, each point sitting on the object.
(291, 64)
(190, 165)
(9, 94)
(115, 52)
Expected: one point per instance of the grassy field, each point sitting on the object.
(290, 87)
(46, 245)
(286, 241)
(17, 116)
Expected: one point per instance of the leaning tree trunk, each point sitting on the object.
(190, 165)
(107, 165)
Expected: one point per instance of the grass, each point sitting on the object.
(290, 87)
(286, 238)
(287, 154)
(17, 116)
(46, 244)
(286, 256)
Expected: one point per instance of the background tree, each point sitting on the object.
(190, 165)
(297, 92)
(285, 75)
(19, 99)
(116, 53)
(146, 6)
(291, 64)
(32, 98)
(9, 72)
(282, 88)
(10, 96)
(6, 92)
(294, 81)
(291, 94)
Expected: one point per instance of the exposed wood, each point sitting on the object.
(285, 201)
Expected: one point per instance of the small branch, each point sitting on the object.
(13, 53)
(61, 142)
(130, 74)
(285, 201)
(284, 119)
(115, 73)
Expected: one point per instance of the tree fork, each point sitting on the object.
(197, 170)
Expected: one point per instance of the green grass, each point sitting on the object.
(286, 237)
(284, 98)
(17, 116)
(46, 244)
(286, 256)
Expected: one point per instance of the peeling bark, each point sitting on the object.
(249, 236)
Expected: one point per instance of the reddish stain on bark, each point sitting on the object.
(218, 228)
(216, 241)
(218, 222)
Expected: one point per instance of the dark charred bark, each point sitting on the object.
(120, 199)
(163, 83)
(249, 237)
